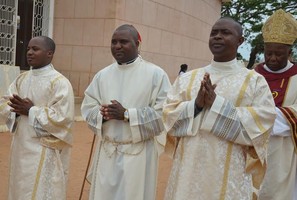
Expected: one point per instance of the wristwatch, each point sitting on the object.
(126, 116)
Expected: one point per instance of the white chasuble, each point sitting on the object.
(41, 142)
(280, 179)
(221, 153)
(126, 159)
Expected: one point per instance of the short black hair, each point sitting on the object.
(184, 67)
(130, 28)
(238, 26)
(49, 43)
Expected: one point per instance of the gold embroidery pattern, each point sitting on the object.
(55, 123)
(255, 116)
(282, 84)
(53, 142)
(189, 89)
(2, 106)
(280, 27)
(230, 145)
(38, 174)
(188, 94)
(226, 170)
(20, 79)
(274, 94)
(55, 80)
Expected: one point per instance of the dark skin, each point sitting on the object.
(115, 110)
(206, 94)
(20, 106)
(276, 55)
(124, 48)
(224, 40)
(38, 56)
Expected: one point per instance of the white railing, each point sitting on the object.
(8, 28)
(42, 24)
(41, 18)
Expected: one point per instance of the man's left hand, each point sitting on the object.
(115, 110)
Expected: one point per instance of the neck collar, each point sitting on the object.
(229, 66)
(289, 65)
(41, 70)
(129, 62)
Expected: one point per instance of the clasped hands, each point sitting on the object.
(206, 94)
(204, 99)
(115, 110)
(20, 106)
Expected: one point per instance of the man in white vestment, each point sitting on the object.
(123, 106)
(39, 111)
(279, 33)
(218, 120)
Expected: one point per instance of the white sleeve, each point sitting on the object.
(281, 126)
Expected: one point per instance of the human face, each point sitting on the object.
(123, 47)
(276, 55)
(224, 40)
(37, 54)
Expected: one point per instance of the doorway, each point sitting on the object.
(24, 32)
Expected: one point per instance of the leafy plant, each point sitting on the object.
(252, 14)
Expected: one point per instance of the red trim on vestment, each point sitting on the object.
(277, 82)
(292, 120)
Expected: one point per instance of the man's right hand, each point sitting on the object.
(210, 94)
(115, 110)
(199, 101)
(206, 94)
(19, 105)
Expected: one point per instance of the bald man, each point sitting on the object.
(123, 106)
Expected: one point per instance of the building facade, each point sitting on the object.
(173, 32)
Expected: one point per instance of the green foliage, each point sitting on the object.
(252, 13)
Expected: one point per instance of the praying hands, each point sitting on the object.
(115, 110)
(206, 94)
(19, 105)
